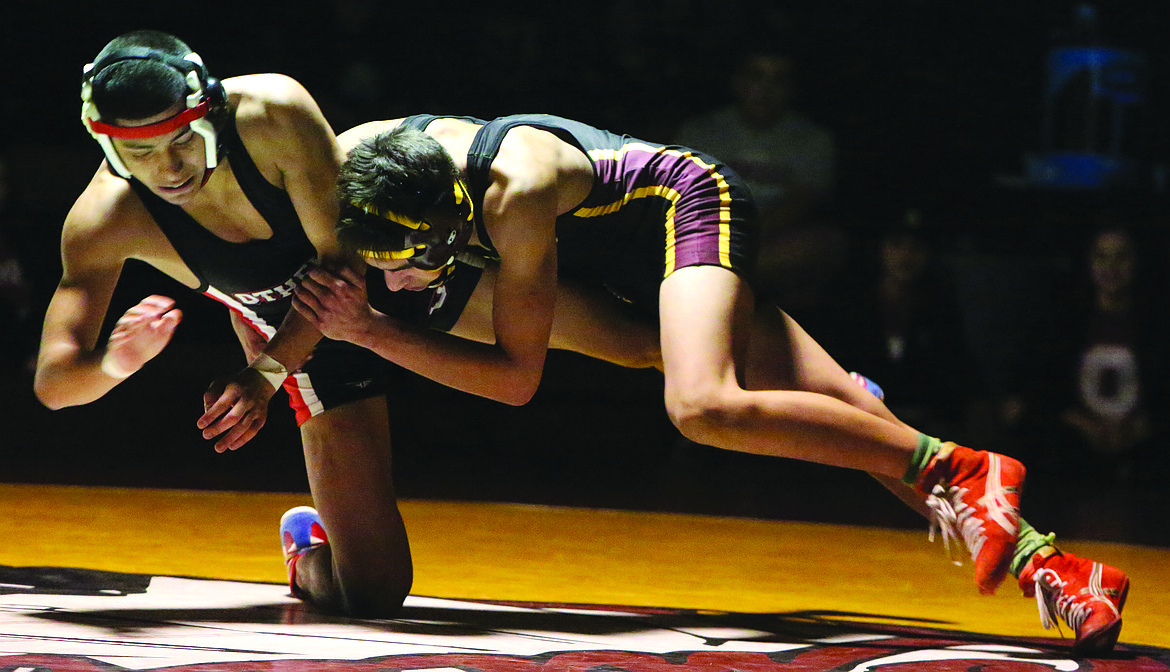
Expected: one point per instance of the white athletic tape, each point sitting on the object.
(272, 370)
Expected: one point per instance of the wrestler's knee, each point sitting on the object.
(373, 592)
(373, 600)
(702, 413)
(360, 587)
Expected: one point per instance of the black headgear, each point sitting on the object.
(431, 242)
(205, 94)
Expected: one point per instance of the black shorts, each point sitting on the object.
(336, 374)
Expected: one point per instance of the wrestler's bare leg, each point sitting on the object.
(782, 356)
(707, 318)
(365, 569)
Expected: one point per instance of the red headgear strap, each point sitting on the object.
(151, 130)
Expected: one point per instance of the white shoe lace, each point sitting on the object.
(956, 519)
(952, 516)
(1051, 599)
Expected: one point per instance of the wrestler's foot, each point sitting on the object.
(300, 530)
(1088, 596)
(975, 496)
(869, 386)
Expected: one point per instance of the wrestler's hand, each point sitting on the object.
(141, 333)
(237, 405)
(335, 303)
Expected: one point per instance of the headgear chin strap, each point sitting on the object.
(204, 91)
(433, 242)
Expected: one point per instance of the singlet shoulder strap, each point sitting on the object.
(272, 202)
(483, 151)
(242, 164)
(418, 122)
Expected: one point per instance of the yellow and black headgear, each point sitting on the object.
(429, 242)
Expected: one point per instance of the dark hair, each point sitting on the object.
(141, 87)
(402, 170)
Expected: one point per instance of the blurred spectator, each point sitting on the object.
(788, 162)
(901, 326)
(15, 331)
(1090, 404)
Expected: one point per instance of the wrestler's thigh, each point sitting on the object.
(705, 316)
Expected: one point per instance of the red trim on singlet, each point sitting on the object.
(296, 400)
(150, 130)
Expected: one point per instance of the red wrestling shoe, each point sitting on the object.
(1088, 596)
(975, 496)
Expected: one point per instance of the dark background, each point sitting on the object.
(934, 105)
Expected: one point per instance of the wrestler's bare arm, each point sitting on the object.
(520, 209)
(105, 227)
(294, 147)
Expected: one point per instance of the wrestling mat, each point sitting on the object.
(109, 580)
(65, 619)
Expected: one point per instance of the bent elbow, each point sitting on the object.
(520, 390)
(54, 397)
(519, 396)
(48, 397)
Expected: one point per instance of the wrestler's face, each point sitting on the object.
(400, 275)
(170, 165)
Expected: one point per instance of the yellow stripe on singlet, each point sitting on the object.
(670, 194)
